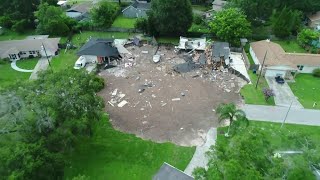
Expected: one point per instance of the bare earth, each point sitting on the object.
(153, 114)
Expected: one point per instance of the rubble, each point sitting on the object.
(122, 103)
(176, 99)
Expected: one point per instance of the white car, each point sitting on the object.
(80, 63)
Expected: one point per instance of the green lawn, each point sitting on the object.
(291, 46)
(247, 50)
(307, 88)
(255, 96)
(199, 28)
(111, 154)
(9, 76)
(279, 137)
(201, 7)
(64, 60)
(10, 35)
(123, 22)
(172, 40)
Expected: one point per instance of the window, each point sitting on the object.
(300, 67)
(30, 52)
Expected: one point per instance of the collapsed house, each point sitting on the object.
(220, 53)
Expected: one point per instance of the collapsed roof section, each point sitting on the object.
(192, 43)
(99, 47)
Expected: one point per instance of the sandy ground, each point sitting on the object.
(153, 114)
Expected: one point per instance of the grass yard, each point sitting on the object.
(255, 96)
(64, 60)
(172, 40)
(199, 28)
(291, 46)
(9, 76)
(10, 35)
(111, 154)
(123, 22)
(274, 132)
(201, 8)
(307, 87)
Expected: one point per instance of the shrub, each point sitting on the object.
(141, 24)
(197, 19)
(316, 72)
(267, 92)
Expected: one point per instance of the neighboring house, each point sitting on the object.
(79, 11)
(100, 49)
(28, 48)
(220, 52)
(280, 63)
(217, 5)
(137, 10)
(314, 20)
(62, 3)
(168, 172)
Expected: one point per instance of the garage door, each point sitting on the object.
(274, 73)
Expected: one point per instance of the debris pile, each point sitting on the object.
(117, 98)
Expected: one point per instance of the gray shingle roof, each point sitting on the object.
(99, 47)
(220, 49)
(168, 172)
(141, 5)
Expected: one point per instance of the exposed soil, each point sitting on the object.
(152, 114)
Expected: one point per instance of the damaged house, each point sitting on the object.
(101, 50)
(220, 53)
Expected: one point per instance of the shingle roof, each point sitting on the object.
(220, 49)
(99, 47)
(314, 17)
(276, 56)
(168, 172)
(7, 47)
(141, 5)
(82, 7)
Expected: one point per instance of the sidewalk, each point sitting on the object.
(41, 66)
(277, 114)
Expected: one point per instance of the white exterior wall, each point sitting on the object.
(254, 57)
(308, 69)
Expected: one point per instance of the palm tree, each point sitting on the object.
(229, 111)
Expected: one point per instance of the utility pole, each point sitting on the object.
(285, 118)
(44, 48)
(264, 59)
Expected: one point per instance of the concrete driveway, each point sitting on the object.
(283, 94)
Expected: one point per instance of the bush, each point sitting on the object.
(197, 19)
(97, 84)
(316, 72)
(141, 24)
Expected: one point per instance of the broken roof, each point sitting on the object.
(15, 46)
(168, 172)
(141, 5)
(276, 56)
(99, 47)
(314, 17)
(220, 49)
(82, 7)
(192, 43)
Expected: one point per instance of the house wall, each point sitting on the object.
(315, 23)
(274, 73)
(254, 57)
(308, 69)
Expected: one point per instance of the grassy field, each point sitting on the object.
(10, 35)
(255, 96)
(9, 76)
(111, 154)
(199, 28)
(307, 87)
(201, 8)
(274, 132)
(123, 22)
(64, 60)
(172, 40)
(291, 46)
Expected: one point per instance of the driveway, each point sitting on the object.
(283, 94)
(42, 65)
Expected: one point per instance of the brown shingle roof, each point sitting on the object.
(82, 8)
(276, 56)
(314, 17)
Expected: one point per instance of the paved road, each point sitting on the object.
(41, 66)
(283, 94)
(277, 114)
(199, 158)
(15, 67)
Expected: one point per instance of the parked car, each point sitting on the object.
(80, 63)
(279, 80)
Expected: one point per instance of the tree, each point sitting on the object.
(306, 36)
(268, 93)
(231, 25)
(104, 14)
(230, 112)
(52, 20)
(169, 17)
(285, 22)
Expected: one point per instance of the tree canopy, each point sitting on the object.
(230, 25)
(42, 119)
(104, 14)
(168, 17)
